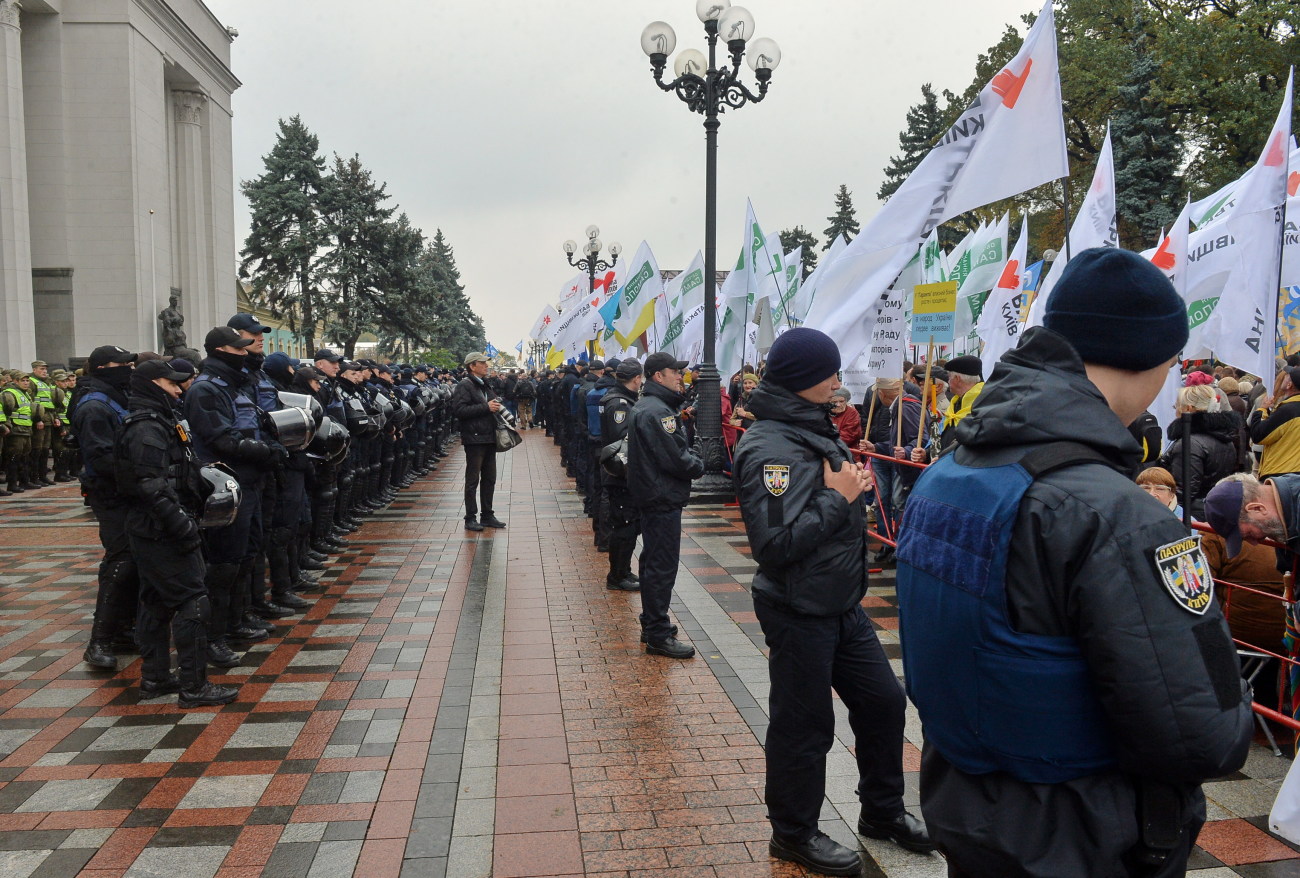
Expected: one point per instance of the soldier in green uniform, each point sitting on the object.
(64, 456)
(22, 412)
(45, 424)
(4, 431)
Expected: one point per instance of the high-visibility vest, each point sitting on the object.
(44, 393)
(22, 413)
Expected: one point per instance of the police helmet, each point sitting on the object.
(304, 401)
(360, 422)
(292, 427)
(222, 503)
(330, 443)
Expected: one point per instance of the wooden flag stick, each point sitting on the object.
(871, 411)
(925, 388)
(902, 392)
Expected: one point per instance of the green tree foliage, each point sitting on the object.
(458, 330)
(282, 254)
(801, 237)
(357, 223)
(926, 122)
(844, 221)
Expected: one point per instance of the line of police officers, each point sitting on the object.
(204, 481)
(33, 422)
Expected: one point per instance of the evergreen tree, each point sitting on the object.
(1148, 152)
(801, 237)
(458, 330)
(407, 306)
(282, 254)
(844, 221)
(925, 124)
(358, 227)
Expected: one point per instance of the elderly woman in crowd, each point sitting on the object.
(846, 418)
(1211, 450)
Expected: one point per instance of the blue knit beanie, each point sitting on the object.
(1117, 309)
(800, 358)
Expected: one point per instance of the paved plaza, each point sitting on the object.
(454, 704)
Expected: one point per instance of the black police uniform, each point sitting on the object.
(624, 518)
(99, 406)
(161, 480)
(660, 468)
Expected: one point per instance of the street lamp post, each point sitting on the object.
(592, 263)
(710, 90)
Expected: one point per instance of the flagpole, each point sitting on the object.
(925, 388)
(1065, 192)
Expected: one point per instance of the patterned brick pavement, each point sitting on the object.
(452, 705)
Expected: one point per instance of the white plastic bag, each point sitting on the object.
(1284, 819)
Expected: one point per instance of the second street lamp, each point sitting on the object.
(592, 263)
(710, 90)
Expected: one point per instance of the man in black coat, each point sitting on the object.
(99, 406)
(161, 480)
(801, 499)
(624, 522)
(660, 467)
(475, 407)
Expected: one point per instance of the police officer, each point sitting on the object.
(1074, 675)
(329, 476)
(624, 522)
(660, 467)
(100, 406)
(801, 497)
(605, 382)
(221, 408)
(165, 491)
(560, 408)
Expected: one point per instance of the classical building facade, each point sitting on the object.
(116, 176)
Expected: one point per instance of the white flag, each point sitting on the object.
(686, 295)
(999, 322)
(1170, 256)
(793, 278)
(573, 291)
(803, 300)
(544, 322)
(639, 283)
(1093, 227)
(1012, 138)
(579, 325)
(987, 260)
(1243, 328)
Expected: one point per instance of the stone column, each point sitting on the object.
(192, 222)
(17, 321)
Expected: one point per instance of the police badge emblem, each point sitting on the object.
(776, 478)
(620, 416)
(1186, 574)
(669, 424)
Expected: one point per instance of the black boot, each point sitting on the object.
(207, 695)
(108, 610)
(820, 854)
(220, 580)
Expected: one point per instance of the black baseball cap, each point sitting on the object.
(107, 354)
(248, 323)
(660, 361)
(628, 369)
(1223, 513)
(350, 366)
(327, 354)
(596, 365)
(221, 336)
(183, 366)
(162, 369)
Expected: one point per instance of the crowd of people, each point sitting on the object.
(221, 484)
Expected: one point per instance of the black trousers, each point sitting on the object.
(810, 656)
(661, 544)
(172, 599)
(119, 579)
(480, 479)
(624, 524)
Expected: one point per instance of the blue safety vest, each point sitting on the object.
(100, 396)
(594, 400)
(991, 698)
(268, 396)
(246, 416)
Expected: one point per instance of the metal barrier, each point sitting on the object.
(888, 534)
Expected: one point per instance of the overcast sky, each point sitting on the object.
(513, 126)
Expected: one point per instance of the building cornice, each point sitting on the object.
(175, 27)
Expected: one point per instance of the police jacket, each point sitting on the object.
(160, 476)
(578, 402)
(660, 465)
(564, 392)
(221, 409)
(1083, 564)
(615, 417)
(97, 415)
(1213, 455)
(809, 542)
(469, 405)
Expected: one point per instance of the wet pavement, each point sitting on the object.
(453, 704)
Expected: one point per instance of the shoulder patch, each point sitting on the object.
(776, 478)
(669, 424)
(1186, 574)
(620, 416)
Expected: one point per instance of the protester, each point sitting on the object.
(1276, 426)
(1210, 451)
(845, 417)
(1059, 634)
(801, 498)
(965, 381)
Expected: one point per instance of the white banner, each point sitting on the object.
(639, 283)
(547, 319)
(999, 324)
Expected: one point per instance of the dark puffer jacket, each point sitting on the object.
(809, 542)
(1213, 455)
(660, 465)
(469, 405)
(1082, 565)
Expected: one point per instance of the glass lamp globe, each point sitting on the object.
(690, 61)
(593, 246)
(764, 54)
(570, 247)
(736, 24)
(711, 10)
(592, 233)
(615, 248)
(658, 38)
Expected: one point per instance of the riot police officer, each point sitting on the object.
(161, 481)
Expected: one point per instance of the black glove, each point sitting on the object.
(253, 451)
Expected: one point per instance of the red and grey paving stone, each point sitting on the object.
(453, 704)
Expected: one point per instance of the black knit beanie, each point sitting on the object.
(800, 358)
(1117, 309)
